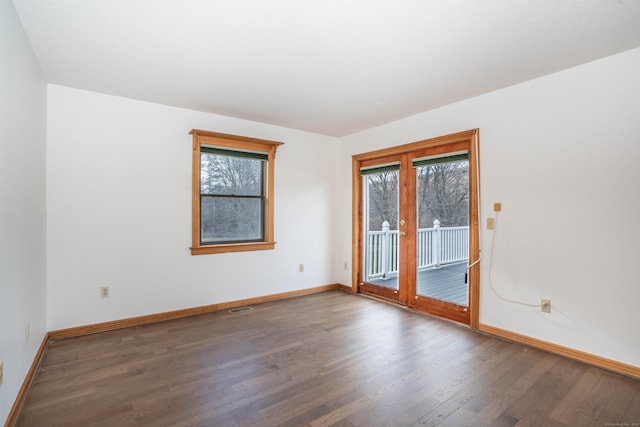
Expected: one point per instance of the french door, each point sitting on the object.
(416, 225)
(383, 224)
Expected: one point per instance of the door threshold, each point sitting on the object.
(411, 309)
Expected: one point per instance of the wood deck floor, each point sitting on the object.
(328, 359)
(446, 283)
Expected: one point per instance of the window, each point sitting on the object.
(232, 193)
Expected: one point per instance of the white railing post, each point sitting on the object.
(384, 250)
(436, 244)
(368, 262)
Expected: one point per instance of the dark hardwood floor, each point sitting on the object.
(328, 359)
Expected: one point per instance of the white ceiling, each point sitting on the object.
(328, 66)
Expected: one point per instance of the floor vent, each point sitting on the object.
(240, 309)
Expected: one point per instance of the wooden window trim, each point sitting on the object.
(200, 138)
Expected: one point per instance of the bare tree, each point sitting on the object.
(443, 194)
(230, 175)
(383, 199)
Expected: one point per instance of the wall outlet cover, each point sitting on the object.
(104, 292)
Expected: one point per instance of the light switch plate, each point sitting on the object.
(491, 223)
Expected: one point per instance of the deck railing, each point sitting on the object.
(436, 246)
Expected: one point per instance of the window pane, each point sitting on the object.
(381, 252)
(443, 194)
(382, 191)
(231, 219)
(220, 174)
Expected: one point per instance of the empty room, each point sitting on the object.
(320, 213)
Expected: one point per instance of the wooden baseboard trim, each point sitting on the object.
(176, 314)
(14, 412)
(591, 359)
(344, 288)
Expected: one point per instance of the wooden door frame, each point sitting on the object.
(472, 139)
(400, 296)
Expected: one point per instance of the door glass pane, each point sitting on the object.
(443, 231)
(381, 249)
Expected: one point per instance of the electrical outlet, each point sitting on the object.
(346, 266)
(491, 223)
(104, 292)
(545, 305)
(301, 268)
(27, 331)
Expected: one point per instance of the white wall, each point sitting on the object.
(119, 211)
(561, 153)
(22, 205)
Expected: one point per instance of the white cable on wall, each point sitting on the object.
(493, 244)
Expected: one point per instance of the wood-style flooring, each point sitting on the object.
(328, 359)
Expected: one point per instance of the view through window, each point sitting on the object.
(233, 193)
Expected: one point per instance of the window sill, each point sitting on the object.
(234, 247)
